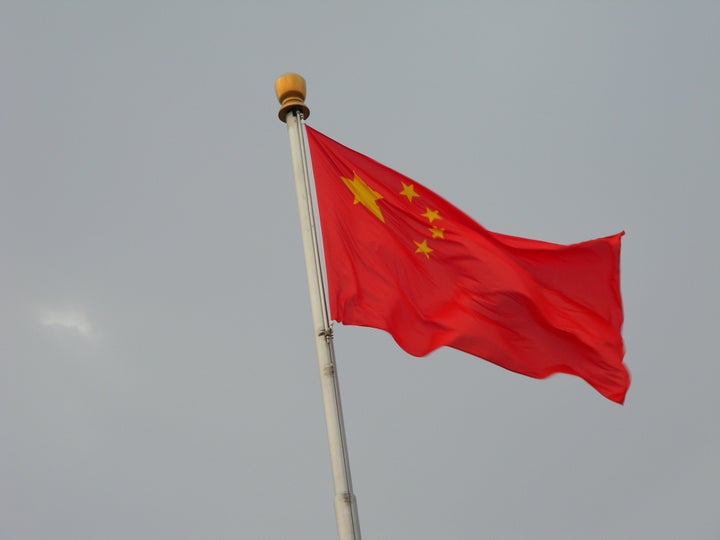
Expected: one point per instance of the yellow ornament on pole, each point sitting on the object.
(291, 91)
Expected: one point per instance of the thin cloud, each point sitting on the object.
(67, 318)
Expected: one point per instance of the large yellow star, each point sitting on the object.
(432, 215)
(409, 191)
(364, 195)
(423, 248)
(437, 232)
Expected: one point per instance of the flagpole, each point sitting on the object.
(290, 90)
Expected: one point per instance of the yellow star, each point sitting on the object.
(432, 215)
(423, 248)
(364, 195)
(409, 191)
(437, 232)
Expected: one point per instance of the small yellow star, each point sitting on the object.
(437, 232)
(432, 215)
(409, 191)
(423, 248)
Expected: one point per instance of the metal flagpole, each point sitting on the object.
(290, 90)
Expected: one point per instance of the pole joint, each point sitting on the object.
(329, 370)
(346, 497)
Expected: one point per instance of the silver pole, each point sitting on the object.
(345, 504)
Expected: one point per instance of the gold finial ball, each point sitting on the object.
(290, 90)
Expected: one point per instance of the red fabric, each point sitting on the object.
(532, 307)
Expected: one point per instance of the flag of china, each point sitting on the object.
(400, 258)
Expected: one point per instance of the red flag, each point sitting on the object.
(400, 258)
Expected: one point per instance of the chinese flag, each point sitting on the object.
(400, 258)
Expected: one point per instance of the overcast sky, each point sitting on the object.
(158, 377)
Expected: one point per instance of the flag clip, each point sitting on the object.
(327, 333)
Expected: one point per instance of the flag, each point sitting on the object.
(400, 258)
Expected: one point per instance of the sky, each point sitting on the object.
(158, 376)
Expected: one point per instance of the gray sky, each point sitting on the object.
(158, 378)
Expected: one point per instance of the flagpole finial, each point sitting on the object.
(291, 91)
